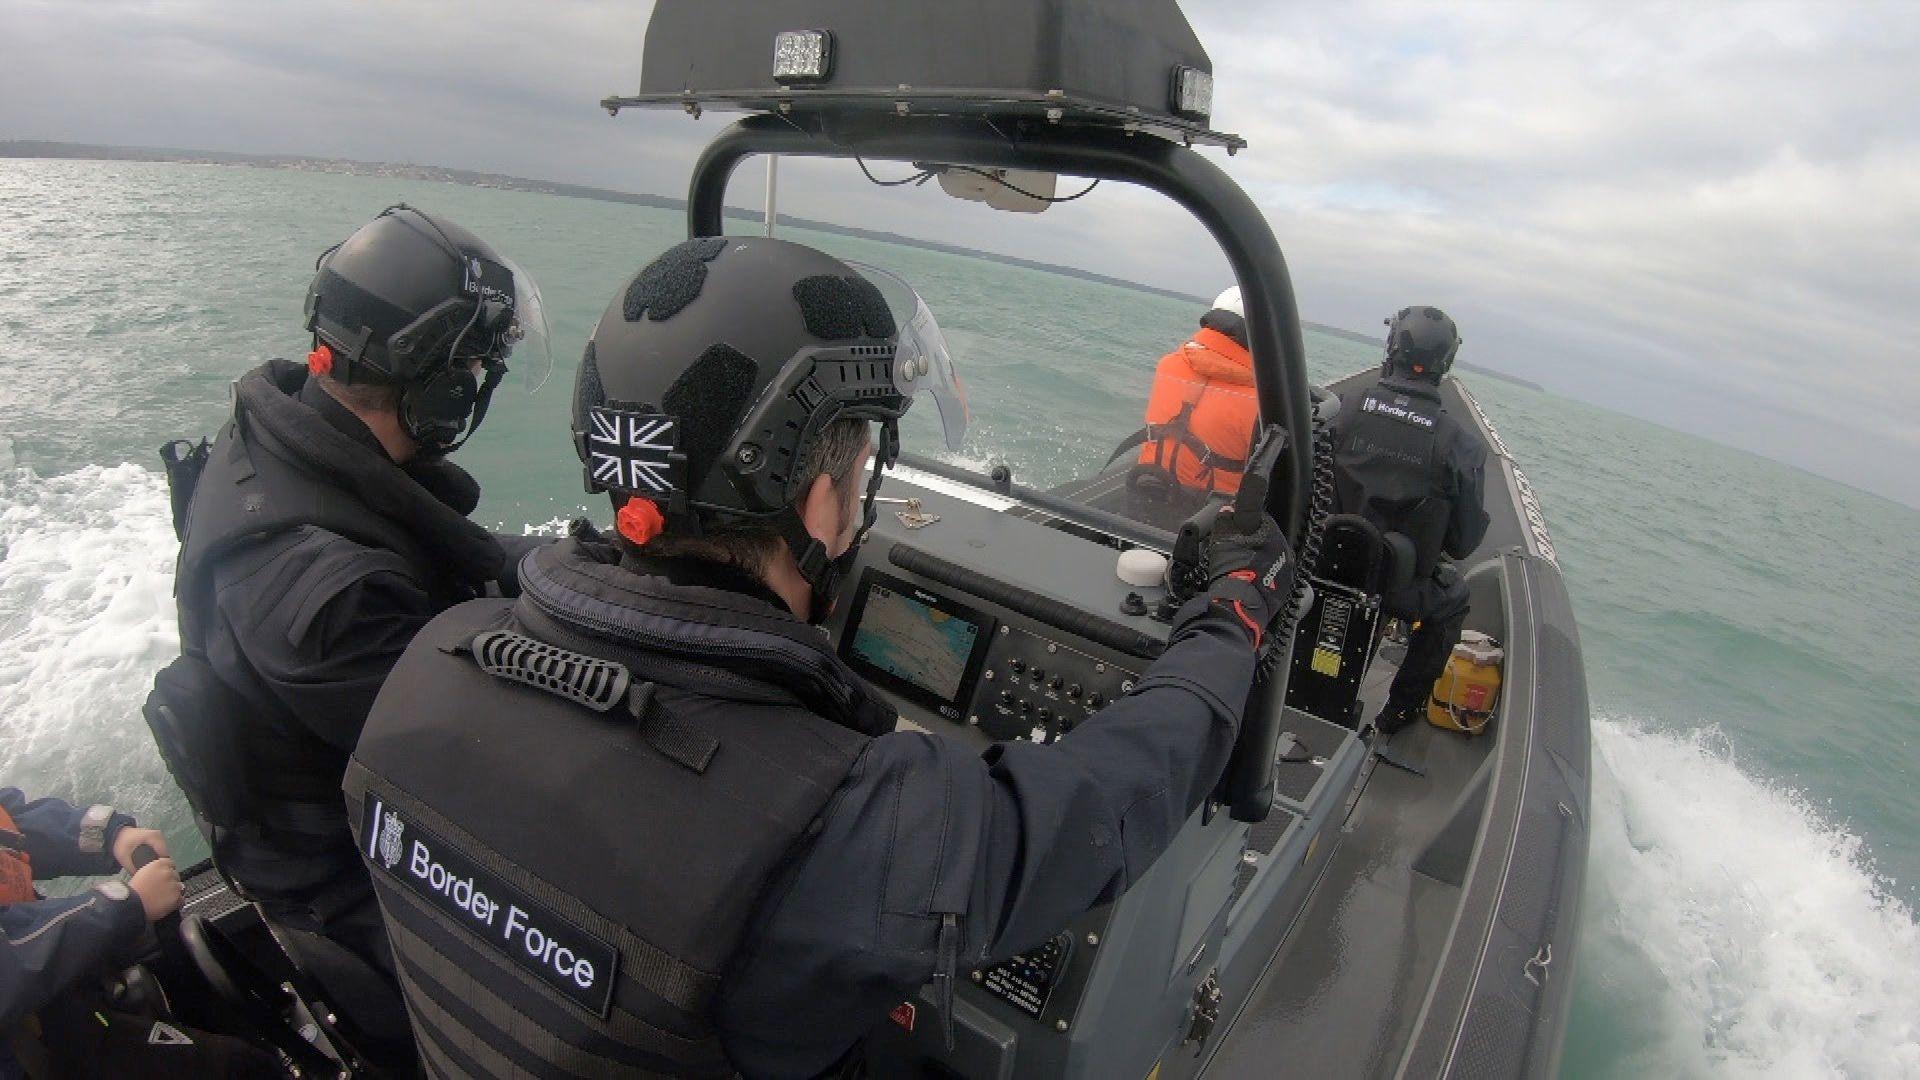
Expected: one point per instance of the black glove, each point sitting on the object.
(1251, 574)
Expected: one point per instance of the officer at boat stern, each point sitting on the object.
(1406, 465)
(644, 818)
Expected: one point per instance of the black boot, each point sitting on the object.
(1395, 718)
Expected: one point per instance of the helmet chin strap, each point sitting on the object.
(452, 380)
(823, 573)
(496, 371)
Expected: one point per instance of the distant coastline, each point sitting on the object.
(38, 148)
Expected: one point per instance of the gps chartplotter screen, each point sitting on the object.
(914, 641)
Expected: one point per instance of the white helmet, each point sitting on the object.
(1229, 301)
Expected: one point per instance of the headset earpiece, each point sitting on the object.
(435, 411)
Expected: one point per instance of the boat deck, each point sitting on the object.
(1411, 955)
(1374, 929)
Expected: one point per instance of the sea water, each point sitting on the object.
(1749, 630)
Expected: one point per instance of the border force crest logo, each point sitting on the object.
(390, 830)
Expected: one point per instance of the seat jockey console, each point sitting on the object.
(980, 620)
(988, 626)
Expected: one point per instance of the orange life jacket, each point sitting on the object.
(1202, 413)
(16, 870)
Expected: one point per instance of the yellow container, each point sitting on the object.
(1466, 693)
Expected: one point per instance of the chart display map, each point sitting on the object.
(916, 642)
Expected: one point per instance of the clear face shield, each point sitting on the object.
(922, 363)
(512, 314)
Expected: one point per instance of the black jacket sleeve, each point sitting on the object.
(320, 624)
(1468, 525)
(1013, 844)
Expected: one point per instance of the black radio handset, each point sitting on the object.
(1249, 507)
(1187, 566)
(1187, 573)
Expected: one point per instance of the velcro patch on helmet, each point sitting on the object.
(711, 395)
(669, 283)
(841, 308)
(634, 449)
(587, 391)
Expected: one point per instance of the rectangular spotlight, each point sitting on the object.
(802, 56)
(1192, 92)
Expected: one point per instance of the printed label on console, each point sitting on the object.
(499, 916)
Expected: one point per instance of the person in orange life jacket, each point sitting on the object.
(48, 946)
(1202, 410)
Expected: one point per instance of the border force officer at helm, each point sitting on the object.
(644, 819)
(323, 528)
(1408, 467)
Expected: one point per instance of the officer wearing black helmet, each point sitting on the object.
(1404, 464)
(320, 530)
(644, 820)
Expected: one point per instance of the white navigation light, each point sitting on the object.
(802, 55)
(1192, 92)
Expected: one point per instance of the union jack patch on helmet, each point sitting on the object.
(635, 450)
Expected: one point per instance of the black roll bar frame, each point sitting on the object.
(1202, 188)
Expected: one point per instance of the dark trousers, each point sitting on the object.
(312, 882)
(358, 928)
(1440, 605)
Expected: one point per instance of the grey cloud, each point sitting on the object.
(1703, 214)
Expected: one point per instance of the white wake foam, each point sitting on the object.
(86, 618)
(1732, 929)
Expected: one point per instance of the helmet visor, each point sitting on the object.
(922, 363)
(525, 335)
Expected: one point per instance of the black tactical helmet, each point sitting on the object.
(415, 300)
(712, 374)
(1421, 341)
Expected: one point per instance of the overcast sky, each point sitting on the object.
(1702, 214)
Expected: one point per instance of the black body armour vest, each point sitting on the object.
(275, 468)
(571, 821)
(1389, 467)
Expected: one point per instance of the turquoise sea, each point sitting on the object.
(1752, 633)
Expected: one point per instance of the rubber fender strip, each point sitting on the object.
(1031, 604)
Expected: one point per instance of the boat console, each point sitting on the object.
(984, 625)
(983, 619)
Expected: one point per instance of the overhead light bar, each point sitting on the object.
(1192, 92)
(802, 56)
